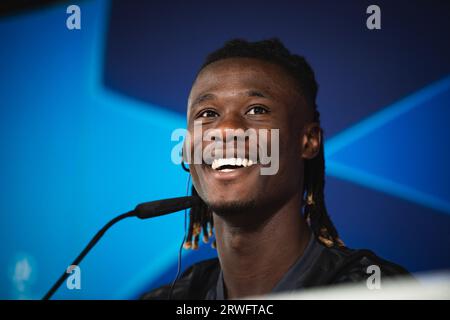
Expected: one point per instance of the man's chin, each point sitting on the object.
(232, 207)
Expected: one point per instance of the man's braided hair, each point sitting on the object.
(314, 210)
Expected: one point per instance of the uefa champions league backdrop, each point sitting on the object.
(87, 109)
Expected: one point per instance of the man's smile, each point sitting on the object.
(230, 168)
(228, 164)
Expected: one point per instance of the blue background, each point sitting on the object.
(86, 118)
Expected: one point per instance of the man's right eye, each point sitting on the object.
(208, 114)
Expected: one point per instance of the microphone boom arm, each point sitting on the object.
(143, 211)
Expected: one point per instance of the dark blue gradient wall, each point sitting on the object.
(86, 118)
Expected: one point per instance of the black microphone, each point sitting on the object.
(161, 207)
(143, 211)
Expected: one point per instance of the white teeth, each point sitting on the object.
(217, 163)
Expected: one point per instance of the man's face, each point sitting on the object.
(244, 93)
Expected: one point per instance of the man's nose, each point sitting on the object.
(231, 121)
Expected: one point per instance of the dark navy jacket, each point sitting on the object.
(318, 266)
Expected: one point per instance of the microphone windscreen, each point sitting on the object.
(161, 207)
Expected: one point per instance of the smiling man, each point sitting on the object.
(272, 231)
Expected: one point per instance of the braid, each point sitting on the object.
(314, 211)
(200, 219)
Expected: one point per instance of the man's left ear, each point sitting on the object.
(311, 140)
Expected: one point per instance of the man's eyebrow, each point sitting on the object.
(203, 98)
(210, 96)
(258, 93)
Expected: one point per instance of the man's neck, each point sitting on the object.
(254, 261)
